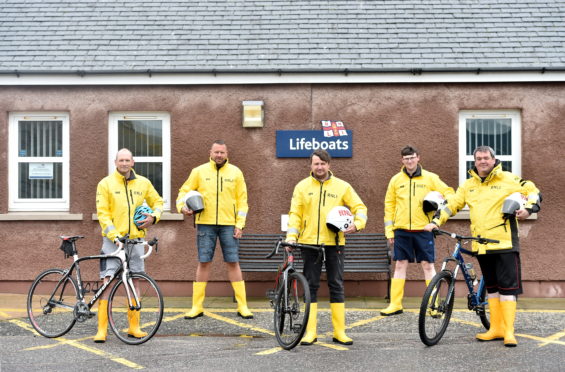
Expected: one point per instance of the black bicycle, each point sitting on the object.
(56, 300)
(437, 303)
(291, 296)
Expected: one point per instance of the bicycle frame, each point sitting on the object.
(123, 270)
(457, 257)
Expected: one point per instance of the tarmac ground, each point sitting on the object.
(221, 341)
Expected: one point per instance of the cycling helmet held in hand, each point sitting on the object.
(513, 203)
(433, 201)
(339, 219)
(194, 201)
(139, 216)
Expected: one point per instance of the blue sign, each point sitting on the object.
(301, 144)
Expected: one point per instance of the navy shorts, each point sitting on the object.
(413, 246)
(502, 272)
(208, 235)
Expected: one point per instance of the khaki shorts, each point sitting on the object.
(109, 266)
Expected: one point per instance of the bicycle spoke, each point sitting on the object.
(292, 308)
(50, 304)
(136, 326)
(436, 308)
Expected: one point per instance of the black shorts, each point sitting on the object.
(502, 272)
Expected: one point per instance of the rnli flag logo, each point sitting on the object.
(333, 128)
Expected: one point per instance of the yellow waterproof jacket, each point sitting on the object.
(405, 197)
(485, 199)
(224, 193)
(116, 200)
(312, 200)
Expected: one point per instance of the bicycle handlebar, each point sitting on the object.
(478, 239)
(125, 240)
(281, 243)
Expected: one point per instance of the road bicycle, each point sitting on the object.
(56, 300)
(437, 303)
(290, 297)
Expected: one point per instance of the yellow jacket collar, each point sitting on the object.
(132, 175)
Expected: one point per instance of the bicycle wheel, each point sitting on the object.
(124, 321)
(51, 303)
(292, 308)
(483, 312)
(435, 312)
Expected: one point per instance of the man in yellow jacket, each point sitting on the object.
(225, 210)
(313, 198)
(485, 193)
(404, 222)
(117, 197)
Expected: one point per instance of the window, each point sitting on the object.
(147, 136)
(498, 129)
(39, 161)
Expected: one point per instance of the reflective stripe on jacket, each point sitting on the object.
(311, 202)
(405, 197)
(116, 200)
(485, 200)
(224, 193)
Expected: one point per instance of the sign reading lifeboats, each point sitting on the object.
(301, 143)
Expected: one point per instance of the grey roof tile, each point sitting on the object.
(275, 34)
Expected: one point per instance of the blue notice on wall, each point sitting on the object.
(301, 143)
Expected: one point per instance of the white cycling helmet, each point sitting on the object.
(513, 203)
(339, 219)
(194, 201)
(433, 201)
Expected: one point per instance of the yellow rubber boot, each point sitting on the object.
(396, 294)
(311, 334)
(134, 318)
(240, 297)
(508, 316)
(198, 293)
(338, 322)
(496, 330)
(102, 322)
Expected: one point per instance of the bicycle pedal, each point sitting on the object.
(271, 295)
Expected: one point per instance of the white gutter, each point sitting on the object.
(211, 78)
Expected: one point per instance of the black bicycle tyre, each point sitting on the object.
(37, 300)
(484, 315)
(117, 303)
(280, 317)
(444, 277)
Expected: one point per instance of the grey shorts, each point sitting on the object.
(108, 266)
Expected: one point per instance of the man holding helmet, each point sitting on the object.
(494, 208)
(314, 221)
(412, 198)
(216, 194)
(120, 199)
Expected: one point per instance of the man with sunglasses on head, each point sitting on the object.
(404, 222)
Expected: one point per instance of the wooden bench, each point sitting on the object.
(364, 253)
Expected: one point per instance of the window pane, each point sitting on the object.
(496, 133)
(40, 138)
(141, 137)
(42, 188)
(506, 165)
(153, 171)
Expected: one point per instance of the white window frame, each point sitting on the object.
(516, 138)
(15, 204)
(165, 158)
